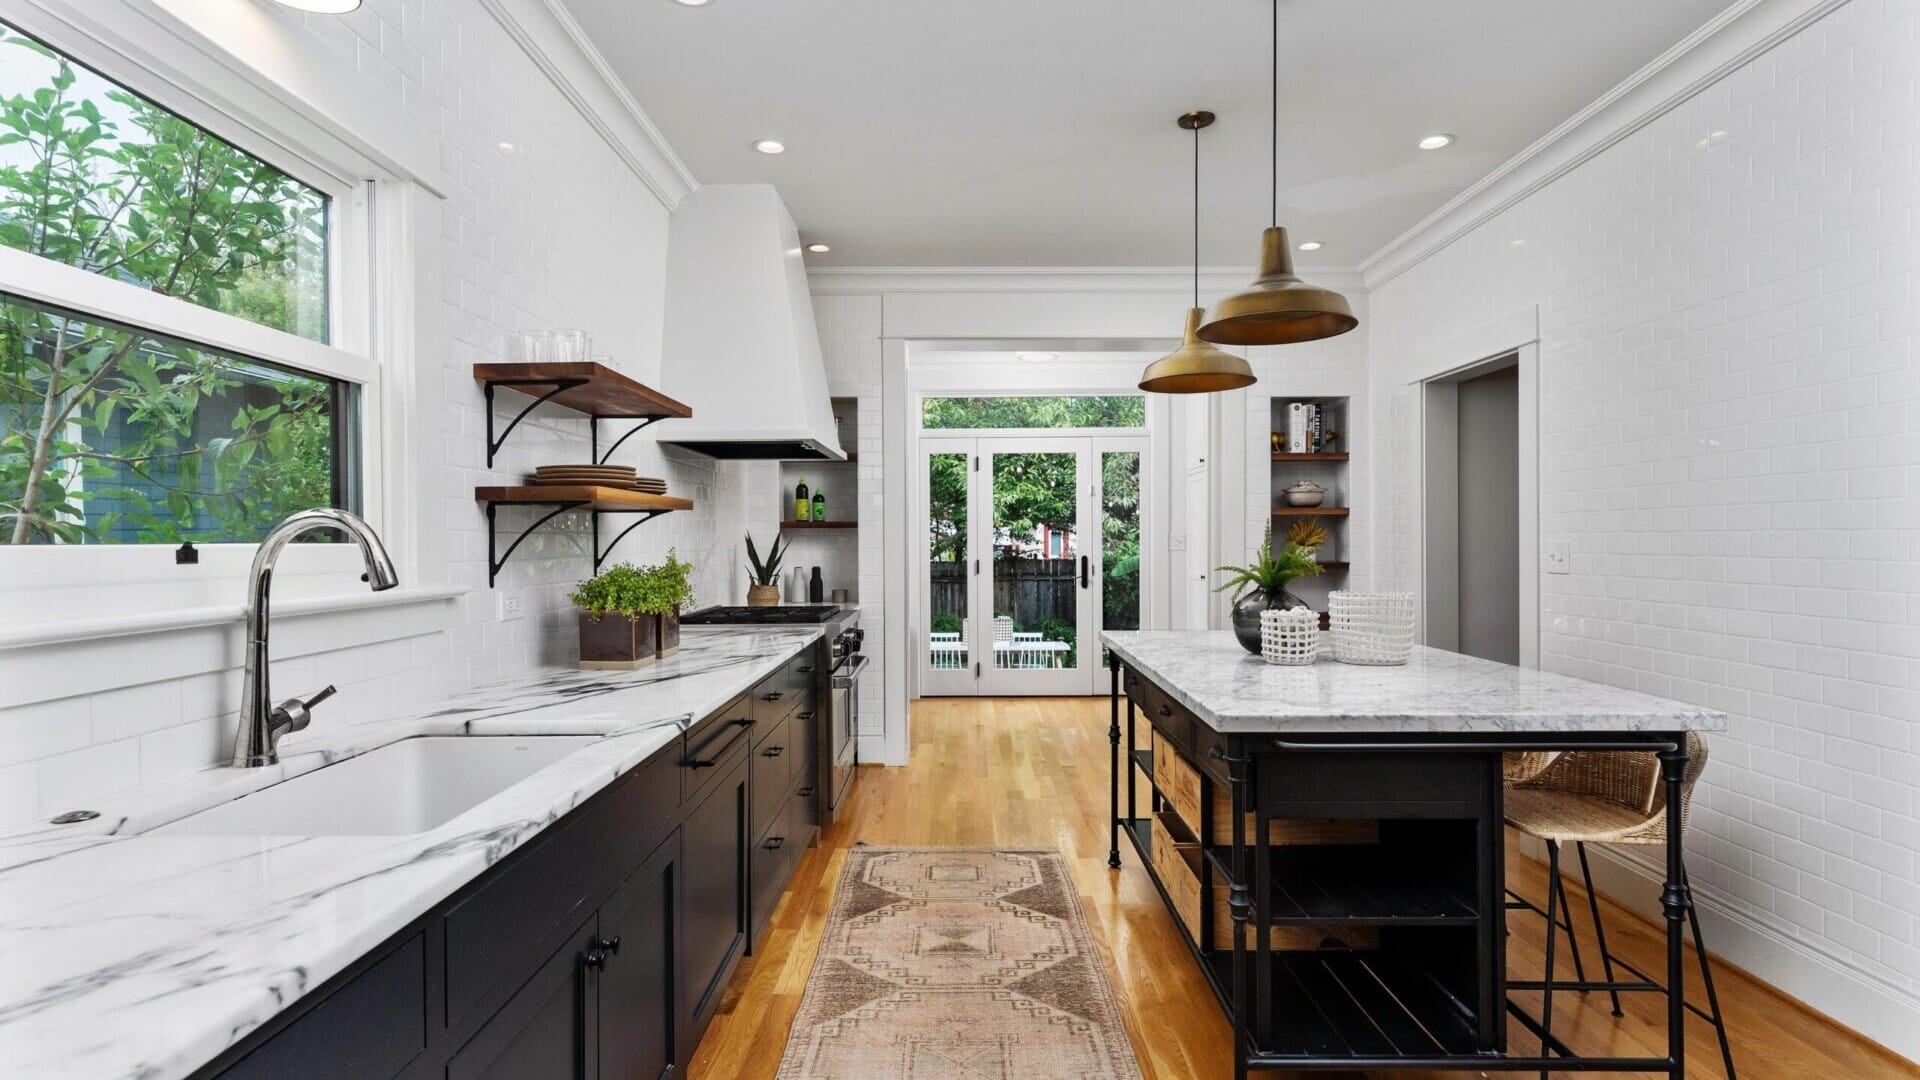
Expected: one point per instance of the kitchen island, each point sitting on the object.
(1329, 837)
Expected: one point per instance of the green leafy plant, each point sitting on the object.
(1269, 571)
(767, 571)
(630, 590)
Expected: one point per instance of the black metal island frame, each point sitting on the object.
(1329, 838)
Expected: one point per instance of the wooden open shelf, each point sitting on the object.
(1336, 567)
(1310, 511)
(562, 498)
(585, 387)
(582, 497)
(1328, 455)
(819, 524)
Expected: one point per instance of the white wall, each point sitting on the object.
(1729, 407)
(564, 232)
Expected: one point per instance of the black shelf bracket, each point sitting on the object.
(494, 443)
(599, 554)
(600, 458)
(496, 563)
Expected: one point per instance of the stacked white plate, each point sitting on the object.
(620, 476)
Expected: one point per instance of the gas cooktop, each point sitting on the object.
(800, 613)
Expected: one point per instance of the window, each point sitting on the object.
(1114, 411)
(115, 428)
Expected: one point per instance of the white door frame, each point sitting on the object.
(1516, 335)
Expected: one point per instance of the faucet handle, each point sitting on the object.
(294, 714)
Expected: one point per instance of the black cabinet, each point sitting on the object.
(601, 947)
(638, 1020)
(713, 923)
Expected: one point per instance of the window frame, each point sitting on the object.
(349, 355)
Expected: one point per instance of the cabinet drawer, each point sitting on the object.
(1176, 859)
(786, 689)
(369, 1028)
(714, 745)
(772, 769)
(770, 865)
(498, 933)
(1179, 782)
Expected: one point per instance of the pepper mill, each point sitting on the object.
(816, 588)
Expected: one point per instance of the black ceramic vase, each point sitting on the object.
(1246, 614)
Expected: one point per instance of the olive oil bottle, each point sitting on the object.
(802, 506)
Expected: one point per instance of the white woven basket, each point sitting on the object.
(1289, 637)
(1371, 627)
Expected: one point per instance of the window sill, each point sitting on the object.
(55, 632)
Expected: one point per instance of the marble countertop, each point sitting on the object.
(146, 956)
(1236, 692)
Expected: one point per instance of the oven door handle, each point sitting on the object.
(848, 673)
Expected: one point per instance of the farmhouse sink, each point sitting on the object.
(402, 788)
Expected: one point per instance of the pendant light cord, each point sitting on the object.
(1273, 129)
(1196, 215)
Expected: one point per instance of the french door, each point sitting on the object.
(1031, 548)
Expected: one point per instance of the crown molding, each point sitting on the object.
(1214, 280)
(548, 34)
(1726, 43)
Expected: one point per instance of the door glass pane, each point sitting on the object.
(1097, 411)
(947, 560)
(1120, 540)
(1036, 557)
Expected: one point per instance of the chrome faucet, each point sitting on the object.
(261, 721)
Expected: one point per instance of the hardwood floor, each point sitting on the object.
(1033, 772)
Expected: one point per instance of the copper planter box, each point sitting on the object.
(619, 643)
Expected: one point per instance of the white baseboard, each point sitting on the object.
(1828, 984)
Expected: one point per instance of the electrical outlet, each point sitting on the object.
(512, 606)
(1559, 557)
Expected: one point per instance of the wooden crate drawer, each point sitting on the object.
(1179, 783)
(1176, 858)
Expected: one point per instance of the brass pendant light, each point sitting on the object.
(1278, 308)
(1196, 367)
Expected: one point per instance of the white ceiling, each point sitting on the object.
(1041, 132)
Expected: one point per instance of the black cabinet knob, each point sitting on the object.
(595, 959)
(1164, 710)
(611, 944)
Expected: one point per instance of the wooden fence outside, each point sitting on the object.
(1028, 589)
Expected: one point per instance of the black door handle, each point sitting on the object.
(1083, 571)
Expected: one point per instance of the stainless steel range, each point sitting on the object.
(838, 687)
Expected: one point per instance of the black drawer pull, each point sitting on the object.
(808, 670)
(805, 715)
(773, 751)
(697, 762)
(771, 695)
(1165, 710)
(775, 843)
(805, 793)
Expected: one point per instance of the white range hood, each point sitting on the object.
(741, 347)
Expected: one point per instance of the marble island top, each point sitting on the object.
(1236, 692)
(146, 956)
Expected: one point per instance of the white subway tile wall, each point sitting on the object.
(1730, 442)
(557, 233)
(849, 328)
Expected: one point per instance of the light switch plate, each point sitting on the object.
(512, 606)
(1177, 543)
(1559, 557)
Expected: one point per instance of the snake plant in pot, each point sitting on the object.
(1262, 584)
(764, 588)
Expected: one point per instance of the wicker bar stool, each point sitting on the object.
(1604, 797)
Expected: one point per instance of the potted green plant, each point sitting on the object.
(764, 588)
(615, 633)
(1262, 584)
(667, 590)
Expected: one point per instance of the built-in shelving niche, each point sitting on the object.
(833, 544)
(1330, 467)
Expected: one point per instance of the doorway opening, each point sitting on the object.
(1474, 463)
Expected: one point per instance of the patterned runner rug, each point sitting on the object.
(957, 964)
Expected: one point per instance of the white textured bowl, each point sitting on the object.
(1305, 498)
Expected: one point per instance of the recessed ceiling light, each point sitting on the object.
(506, 149)
(323, 7)
(819, 249)
(1037, 356)
(1517, 242)
(770, 146)
(1311, 245)
(1436, 142)
(691, 3)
